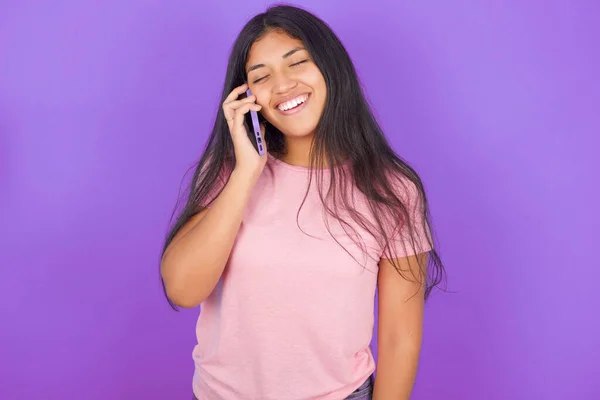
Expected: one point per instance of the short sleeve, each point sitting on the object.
(403, 241)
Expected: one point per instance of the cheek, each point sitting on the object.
(262, 99)
(267, 112)
(323, 90)
(320, 88)
(318, 83)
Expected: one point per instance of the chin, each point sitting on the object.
(298, 131)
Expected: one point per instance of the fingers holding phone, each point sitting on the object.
(254, 129)
(249, 146)
(233, 102)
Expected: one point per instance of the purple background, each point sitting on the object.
(105, 104)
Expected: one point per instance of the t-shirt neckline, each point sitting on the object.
(300, 168)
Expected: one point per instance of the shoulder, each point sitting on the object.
(407, 188)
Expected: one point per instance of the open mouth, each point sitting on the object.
(294, 106)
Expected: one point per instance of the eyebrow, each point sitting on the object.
(286, 55)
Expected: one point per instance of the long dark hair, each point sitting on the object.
(346, 131)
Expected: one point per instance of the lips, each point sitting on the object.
(291, 101)
(293, 104)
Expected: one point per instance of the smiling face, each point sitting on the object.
(287, 84)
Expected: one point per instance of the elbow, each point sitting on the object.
(180, 298)
(178, 292)
(184, 302)
(407, 343)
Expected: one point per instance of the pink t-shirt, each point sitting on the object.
(292, 316)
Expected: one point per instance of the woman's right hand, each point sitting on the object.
(248, 161)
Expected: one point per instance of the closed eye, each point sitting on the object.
(299, 62)
(293, 65)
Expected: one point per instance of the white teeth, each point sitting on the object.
(292, 103)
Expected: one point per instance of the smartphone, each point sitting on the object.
(253, 128)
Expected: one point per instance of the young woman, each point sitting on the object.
(284, 251)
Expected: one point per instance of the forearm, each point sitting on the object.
(193, 264)
(396, 369)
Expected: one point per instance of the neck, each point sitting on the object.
(297, 151)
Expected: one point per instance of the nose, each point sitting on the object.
(284, 84)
